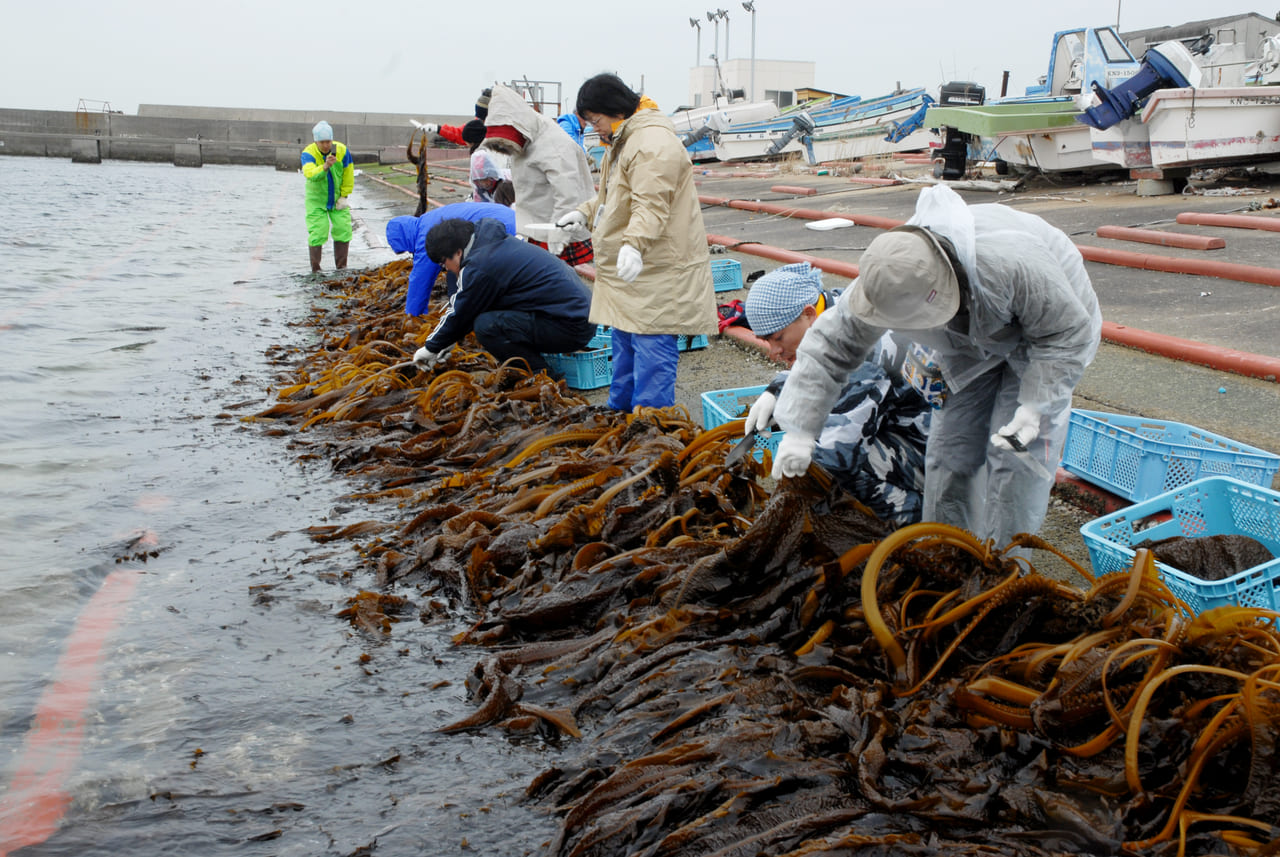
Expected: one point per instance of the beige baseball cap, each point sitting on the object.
(905, 281)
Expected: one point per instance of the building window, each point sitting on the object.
(782, 98)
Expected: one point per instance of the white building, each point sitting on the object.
(775, 80)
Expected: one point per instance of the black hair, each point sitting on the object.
(606, 95)
(505, 193)
(448, 237)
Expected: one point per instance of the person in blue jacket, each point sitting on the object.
(521, 301)
(572, 126)
(410, 233)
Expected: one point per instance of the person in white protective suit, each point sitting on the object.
(1004, 300)
(550, 172)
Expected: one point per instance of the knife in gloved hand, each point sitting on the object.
(1020, 451)
(740, 449)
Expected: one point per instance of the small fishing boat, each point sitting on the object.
(1037, 130)
(834, 129)
(1197, 106)
(698, 126)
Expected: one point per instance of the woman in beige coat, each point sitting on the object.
(653, 274)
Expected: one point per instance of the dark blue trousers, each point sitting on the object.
(529, 335)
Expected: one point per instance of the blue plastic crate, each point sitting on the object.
(726, 274)
(1214, 506)
(691, 343)
(722, 406)
(1139, 458)
(588, 369)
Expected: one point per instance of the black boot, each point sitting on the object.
(315, 258)
(340, 254)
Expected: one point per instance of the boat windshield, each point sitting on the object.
(1112, 48)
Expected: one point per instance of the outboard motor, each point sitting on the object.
(899, 131)
(955, 145)
(714, 123)
(801, 126)
(1166, 66)
(962, 92)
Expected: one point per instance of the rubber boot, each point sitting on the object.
(340, 254)
(315, 258)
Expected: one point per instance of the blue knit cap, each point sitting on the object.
(778, 298)
(322, 131)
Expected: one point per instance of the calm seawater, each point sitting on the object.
(219, 705)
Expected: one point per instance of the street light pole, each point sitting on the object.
(750, 6)
(697, 57)
(715, 47)
(724, 13)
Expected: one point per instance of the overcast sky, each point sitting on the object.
(428, 57)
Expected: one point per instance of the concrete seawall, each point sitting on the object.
(193, 136)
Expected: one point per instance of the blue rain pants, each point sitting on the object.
(644, 370)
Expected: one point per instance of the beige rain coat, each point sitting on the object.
(647, 199)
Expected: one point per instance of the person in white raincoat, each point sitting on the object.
(550, 172)
(1004, 299)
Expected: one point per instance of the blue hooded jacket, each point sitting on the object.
(573, 127)
(410, 233)
(501, 272)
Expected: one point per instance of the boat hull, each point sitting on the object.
(1213, 126)
(1126, 144)
(845, 130)
(1038, 134)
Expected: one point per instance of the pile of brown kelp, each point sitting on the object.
(777, 674)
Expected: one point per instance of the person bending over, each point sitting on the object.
(1005, 301)
(873, 440)
(405, 234)
(520, 301)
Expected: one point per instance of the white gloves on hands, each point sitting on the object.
(761, 413)
(629, 263)
(572, 218)
(425, 359)
(574, 226)
(430, 128)
(1024, 427)
(342, 204)
(793, 456)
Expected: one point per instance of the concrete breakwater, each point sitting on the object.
(192, 136)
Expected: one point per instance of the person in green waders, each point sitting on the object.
(330, 175)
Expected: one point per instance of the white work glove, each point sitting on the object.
(1025, 426)
(430, 128)
(572, 218)
(793, 456)
(629, 263)
(425, 359)
(342, 204)
(761, 413)
(574, 226)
